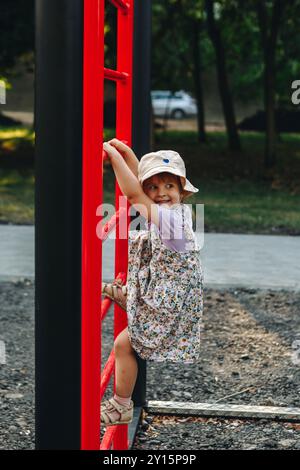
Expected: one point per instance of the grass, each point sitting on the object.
(14, 139)
(16, 185)
(238, 194)
(17, 196)
(248, 208)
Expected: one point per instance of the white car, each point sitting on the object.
(177, 105)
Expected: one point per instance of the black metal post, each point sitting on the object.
(141, 124)
(58, 126)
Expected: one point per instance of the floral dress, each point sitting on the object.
(164, 296)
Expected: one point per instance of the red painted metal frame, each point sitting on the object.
(93, 311)
(93, 60)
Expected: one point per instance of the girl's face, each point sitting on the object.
(163, 188)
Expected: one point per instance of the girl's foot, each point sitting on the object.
(116, 291)
(112, 412)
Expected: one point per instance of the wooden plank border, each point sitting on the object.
(223, 410)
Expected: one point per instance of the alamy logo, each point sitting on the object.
(2, 352)
(169, 230)
(2, 92)
(296, 351)
(296, 94)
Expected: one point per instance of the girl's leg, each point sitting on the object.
(126, 370)
(126, 367)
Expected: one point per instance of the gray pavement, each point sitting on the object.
(228, 260)
(26, 117)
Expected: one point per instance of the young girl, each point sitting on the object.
(163, 295)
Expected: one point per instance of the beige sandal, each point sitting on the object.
(111, 405)
(113, 291)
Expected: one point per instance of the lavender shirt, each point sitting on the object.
(171, 226)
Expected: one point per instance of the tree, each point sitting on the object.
(192, 15)
(16, 37)
(16, 34)
(197, 74)
(225, 94)
(269, 18)
(178, 52)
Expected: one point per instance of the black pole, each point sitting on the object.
(141, 124)
(58, 126)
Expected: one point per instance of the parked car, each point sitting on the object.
(177, 105)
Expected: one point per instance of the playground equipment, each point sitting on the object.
(70, 381)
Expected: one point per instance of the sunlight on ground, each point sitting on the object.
(13, 133)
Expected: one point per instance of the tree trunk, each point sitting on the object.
(269, 99)
(152, 128)
(197, 72)
(228, 109)
(269, 40)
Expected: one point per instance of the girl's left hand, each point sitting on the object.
(110, 150)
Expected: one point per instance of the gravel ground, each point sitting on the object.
(17, 374)
(249, 356)
(166, 432)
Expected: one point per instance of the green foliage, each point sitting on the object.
(16, 34)
(173, 22)
(172, 59)
(110, 36)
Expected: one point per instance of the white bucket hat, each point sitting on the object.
(165, 160)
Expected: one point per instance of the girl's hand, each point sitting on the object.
(110, 151)
(125, 152)
(121, 147)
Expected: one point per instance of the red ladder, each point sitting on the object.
(93, 382)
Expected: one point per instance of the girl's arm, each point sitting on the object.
(130, 185)
(128, 154)
(128, 182)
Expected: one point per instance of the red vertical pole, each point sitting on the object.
(91, 246)
(123, 132)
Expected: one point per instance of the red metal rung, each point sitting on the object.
(105, 306)
(107, 372)
(124, 6)
(111, 74)
(111, 224)
(107, 439)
